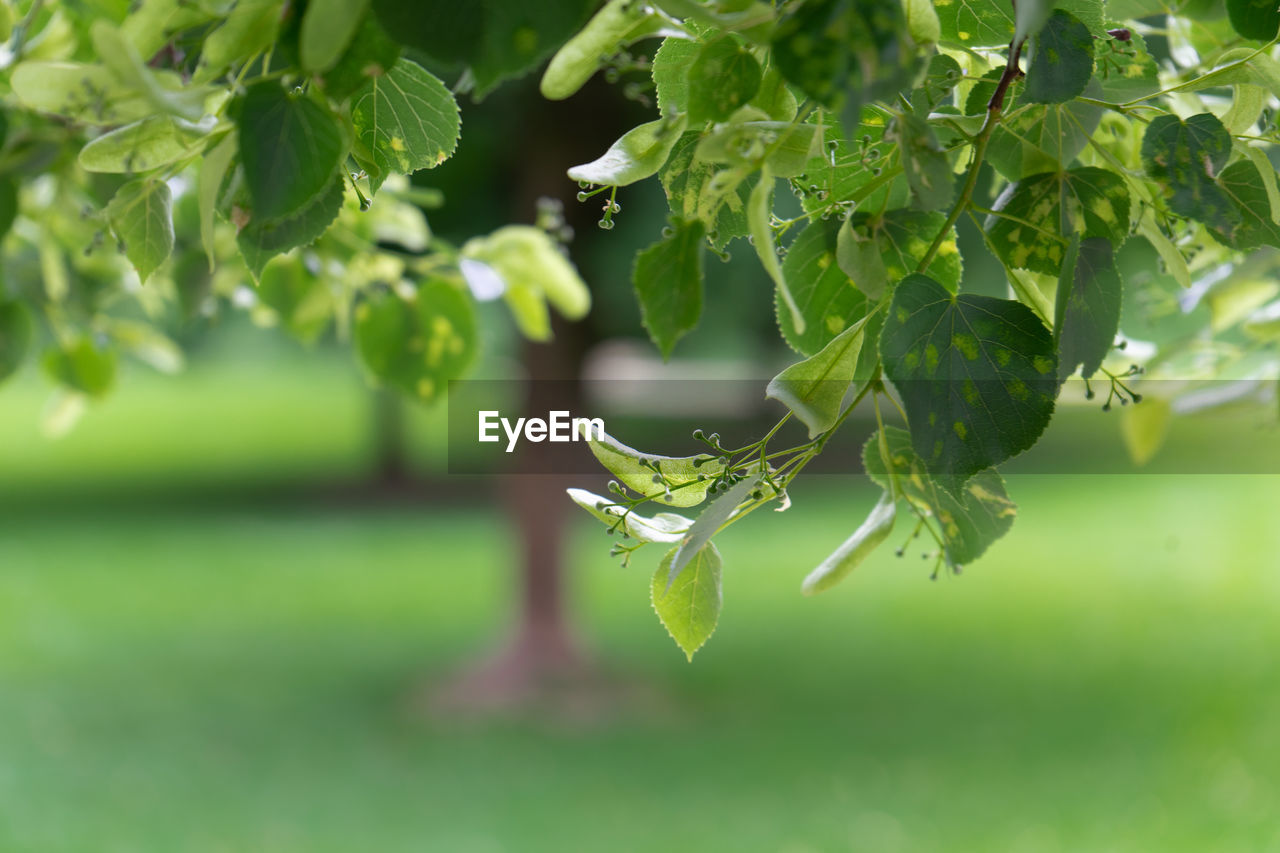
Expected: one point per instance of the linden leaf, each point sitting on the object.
(668, 282)
(417, 344)
(1185, 157)
(638, 153)
(722, 78)
(1087, 313)
(689, 606)
(290, 147)
(1061, 61)
(977, 376)
(969, 521)
(141, 215)
(814, 389)
(405, 120)
(855, 549)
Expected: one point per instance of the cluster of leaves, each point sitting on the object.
(1116, 160)
(160, 158)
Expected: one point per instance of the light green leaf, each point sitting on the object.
(664, 527)
(759, 214)
(784, 147)
(856, 548)
(708, 524)
(696, 189)
(668, 280)
(723, 77)
(15, 337)
(141, 215)
(82, 366)
(1030, 18)
(303, 303)
(261, 240)
(527, 259)
(684, 480)
(1087, 312)
(290, 147)
(922, 21)
(1062, 59)
(251, 26)
(977, 376)
(165, 92)
(580, 57)
(689, 607)
(639, 153)
(213, 168)
(1170, 255)
(670, 73)
(1144, 427)
(1264, 324)
(405, 120)
(89, 94)
(418, 344)
(990, 23)
(147, 144)
(968, 521)
(814, 389)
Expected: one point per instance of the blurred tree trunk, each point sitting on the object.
(390, 440)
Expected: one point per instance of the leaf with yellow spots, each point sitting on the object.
(968, 521)
(417, 344)
(991, 23)
(1185, 157)
(405, 120)
(1026, 230)
(826, 297)
(902, 238)
(986, 364)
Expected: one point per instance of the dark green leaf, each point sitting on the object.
(722, 78)
(1253, 223)
(1027, 229)
(15, 337)
(827, 297)
(290, 147)
(260, 241)
(925, 164)
(1254, 19)
(1061, 62)
(977, 376)
(1185, 157)
(370, 54)
(668, 281)
(968, 521)
(328, 27)
(8, 204)
(1087, 315)
(689, 607)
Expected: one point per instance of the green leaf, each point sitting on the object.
(827, 298)
(664, 527)
(580, 57)
(370, 54)
(668, 282)
(89, 94)
(922, 21)
(1126, 69)
(141, 215)
(708, 524)
(991, 23)
(689, 607)
(1144, 426)
(304, 303)
(1062, 61)
(534, 271)
(167, 93)
(15, 337)
(925, 164)
(261, 240)
(977, 376)
(8, 204)
(1026, 231)
(251, 26)
(671, 64)
(684, 479)
(856, 548)
(290, 147)
(903, 237)
(1184, 157)
(814, 389)
(147, 144)
(417, 344)
(696, 189)
(1254, 19)
(80, 365)
(1087, 314)
(327, 28)
(782, 146)
(1045, 138)
(722, 78)
(518, 35)
(1254, 217)
(405, 120)
(759, 213)
(449, 32)
(864, 169)
(639, 153)
(1264, 323)
(213, 169)
(1030, 18)
(968, 521)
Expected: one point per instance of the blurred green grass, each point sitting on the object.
(185, 677)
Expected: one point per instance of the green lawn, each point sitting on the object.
(234, 675)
